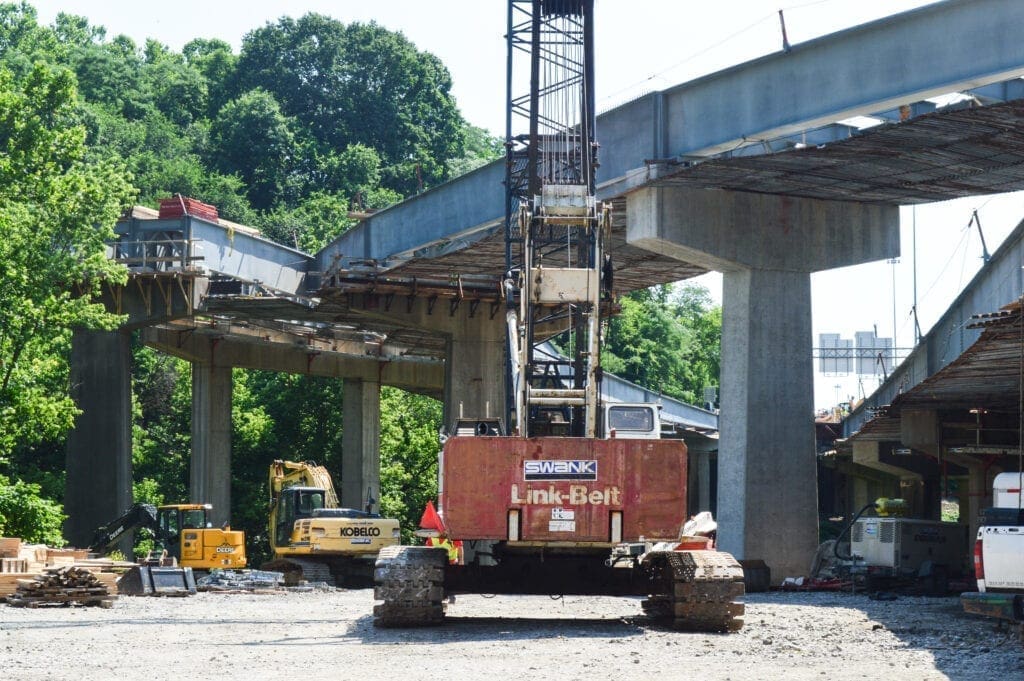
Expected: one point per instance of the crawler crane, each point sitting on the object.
(560, 504)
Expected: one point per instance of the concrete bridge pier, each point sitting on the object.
(99, 448)
(475, 369)
(475, 347)
(210, 471)
(360, 444)
(768, 497)
(766, 246)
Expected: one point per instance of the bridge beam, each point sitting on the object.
(426, 378)
(766, 246)
(867, 69)
(98, 486)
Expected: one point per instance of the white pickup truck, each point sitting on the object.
(999, 555)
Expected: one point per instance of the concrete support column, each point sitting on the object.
(475, 373)
(360, 444)
(766, 246)
(99, 448)
(767, 483)
(979, 496)
(210, 474)
(702, 469)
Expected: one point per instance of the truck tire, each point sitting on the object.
(695, 590)
(410, 586)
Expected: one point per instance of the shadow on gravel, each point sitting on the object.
(496, 629)
(964, 647)
(136, 622)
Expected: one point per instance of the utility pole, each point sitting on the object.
(893, 262)
(917, 324)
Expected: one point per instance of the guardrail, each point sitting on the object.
(155, 255)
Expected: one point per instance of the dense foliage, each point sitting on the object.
(312, 119)
(56, 210)
(667, 339)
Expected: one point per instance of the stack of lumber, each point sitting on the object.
(9, 582)
(21, 562)
(16, 556)
(10, 547)
(62, 586)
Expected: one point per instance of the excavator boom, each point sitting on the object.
(137, 517)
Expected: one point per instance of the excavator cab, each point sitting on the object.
(171, 520)
(187, 534)
(296, 503)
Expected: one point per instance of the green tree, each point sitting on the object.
(481, 148)
(71, 29)
(692, 306)
(311, 225)
(666, 340)
(161, 426)
(215, 60)
(252, 138)
(409, 449)
(359, 83)
(26, 514)
(112, 73)
(179, 89)
(23, 42)
(253, 442)
(56, 212)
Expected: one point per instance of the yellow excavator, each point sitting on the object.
(184, 531)
(312, 537)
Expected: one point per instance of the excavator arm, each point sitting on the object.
(138, 516)
(284, 474)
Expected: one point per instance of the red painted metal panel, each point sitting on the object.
(564, 488)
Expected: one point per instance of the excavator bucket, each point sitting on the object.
(147, 580)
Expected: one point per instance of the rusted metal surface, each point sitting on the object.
(987, 375)
(882, 428)
(335, 319)
(948, 154)
(635, 268)
(565, 489)
(1004, 606)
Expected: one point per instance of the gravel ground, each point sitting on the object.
(330, 635)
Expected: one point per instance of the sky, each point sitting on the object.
(641, 46)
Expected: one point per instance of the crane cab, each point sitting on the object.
(633, 421)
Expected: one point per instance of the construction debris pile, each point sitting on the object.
(241, 580)
(62, 586)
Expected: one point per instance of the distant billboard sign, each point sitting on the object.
(872, 351)
(835, 355)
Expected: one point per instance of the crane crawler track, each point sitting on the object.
(695, 590)
(410, 585)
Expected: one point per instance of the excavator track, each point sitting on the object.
(300, 569)
(695, 590)
(410, 585)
